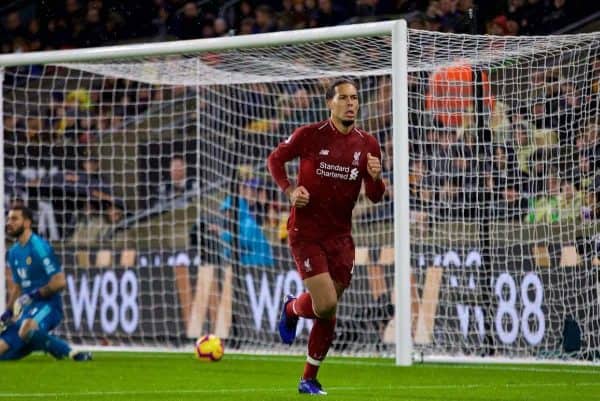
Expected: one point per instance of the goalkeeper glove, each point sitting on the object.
(28, 298)
(5, 319)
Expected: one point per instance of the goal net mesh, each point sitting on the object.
(149, 177)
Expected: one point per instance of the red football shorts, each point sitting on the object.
(333, 255)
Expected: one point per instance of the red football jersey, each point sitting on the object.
(333, 166)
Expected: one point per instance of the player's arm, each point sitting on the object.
(374, 186)
(56, 284)
(56, 281)
(14, 291)
(286, 151)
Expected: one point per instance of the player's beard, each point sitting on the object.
(16, 232)
(347, 123)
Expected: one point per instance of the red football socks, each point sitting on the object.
(319, 341)
(301, 307)
(310, 371)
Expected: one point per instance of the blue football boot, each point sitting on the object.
(310, 386)
(287, 325)
(81, 356)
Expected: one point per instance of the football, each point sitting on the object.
(209, 348)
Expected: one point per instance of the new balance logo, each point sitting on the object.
(324, 152)
(307, 267)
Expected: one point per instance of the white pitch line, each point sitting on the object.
(584, 370)
(289, 389)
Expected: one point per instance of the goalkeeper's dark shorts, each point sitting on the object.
(17, 347)
(333, 255)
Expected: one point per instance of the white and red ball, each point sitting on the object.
(209, 348)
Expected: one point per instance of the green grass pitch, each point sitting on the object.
(173, 377)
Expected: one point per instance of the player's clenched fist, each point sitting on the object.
(373, 166)
(299, 197)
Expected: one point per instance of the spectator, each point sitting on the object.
(246, 26)
(556, 15)
(244, 12)
(14, 32)
(93, 32)
(544, 207)
(179, 184)
(449, 15)
(420, 195)
(300, 20)
(466, 21)
(498, 26)
(254, 247)
(531, 16)
(522, 145)
(264, 21)
(88, 184)
(14, 187)
(74, 19)
(254, 192)
(450, 95)
(220, 27)
(34, 36)
(90, 23)
(189, 23)
(516, 12)
(56, 35)
(571, 205)
(507, 185)
(328, 15)
(93, 225)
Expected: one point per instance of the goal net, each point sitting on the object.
(148, 174)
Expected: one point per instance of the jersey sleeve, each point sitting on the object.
(45, 255)
(288, 150)
(13, 271)
(373, 189)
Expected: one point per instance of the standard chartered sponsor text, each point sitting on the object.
(333, 171)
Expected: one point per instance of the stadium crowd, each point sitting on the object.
(538, 163)
(65, 24)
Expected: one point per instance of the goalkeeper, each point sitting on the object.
(35, 306)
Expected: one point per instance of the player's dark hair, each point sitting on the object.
(25, 211)
(330, 93)
(178, 156)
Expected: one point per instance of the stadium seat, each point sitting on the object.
(361, 256)
(386, 256)
(568, 256)
(127, 258)
(377, 284)
(541, 257)
(103, 258)
(83, 259)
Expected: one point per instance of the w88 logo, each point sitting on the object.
(531, 321)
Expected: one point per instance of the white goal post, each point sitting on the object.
(399, 68)
(145, 165)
